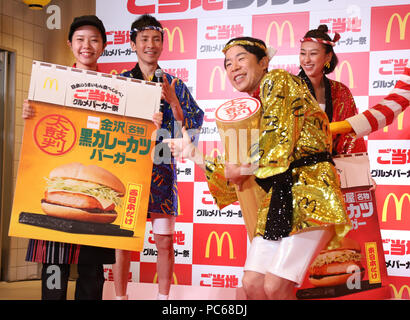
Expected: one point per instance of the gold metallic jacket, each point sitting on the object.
(292, 126)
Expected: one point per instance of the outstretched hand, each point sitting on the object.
(237, 174)
(182, 148)
(169, 95)
(168, 91)
(340, 127)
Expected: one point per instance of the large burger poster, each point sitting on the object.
(85, 169)
(356, 269)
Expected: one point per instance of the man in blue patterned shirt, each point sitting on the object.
(178, 109)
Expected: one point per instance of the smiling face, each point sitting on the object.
(87, 46)
(312, 58)
(148, 46)
(244, 70)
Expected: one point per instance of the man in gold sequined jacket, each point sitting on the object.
(302, 210)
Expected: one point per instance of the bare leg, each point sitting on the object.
(165, 261)
(253, 284)
(120, 270)
(277, 288)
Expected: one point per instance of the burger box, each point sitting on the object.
(85, 155)
(357, 270)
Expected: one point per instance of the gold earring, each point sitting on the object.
(327, 65)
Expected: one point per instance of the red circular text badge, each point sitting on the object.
(55, 134)
(237, 109)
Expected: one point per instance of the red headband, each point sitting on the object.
(332, 43)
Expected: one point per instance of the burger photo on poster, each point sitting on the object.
(334, 267)
(84, 193)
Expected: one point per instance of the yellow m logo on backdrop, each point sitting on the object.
(398, 204)
(279, 33)
(338, 72)
(174, 276)
(115, 72)
(219, 244)
(398, 294)
(399, 123)
(171, 36)
(222, 77)
(402, 26)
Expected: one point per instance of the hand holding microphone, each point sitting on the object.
(169, 95)
(159, 75)
(168, 90)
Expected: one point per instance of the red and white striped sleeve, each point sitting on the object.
(384, 113)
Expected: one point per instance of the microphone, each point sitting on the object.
(159, 74)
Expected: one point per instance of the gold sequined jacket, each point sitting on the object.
(292, 126)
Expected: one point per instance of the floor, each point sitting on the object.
(28, 290)
(149, 291)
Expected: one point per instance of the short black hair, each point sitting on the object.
(89, 20)
(321, 33)
(257, 51)
(145, 20)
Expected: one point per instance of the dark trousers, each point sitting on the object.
(89, 285)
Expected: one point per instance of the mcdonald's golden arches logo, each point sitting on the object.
(398, 204)
(115, 72)
(222, 77)
(400, 120)
(171, 37)
(402, 26)
(51, 82)
(219, 244)
(398, 294)
(338, 72)
(174, 277)
(279, 33)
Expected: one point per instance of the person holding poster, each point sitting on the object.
(87, 40)
(303, 209)
(317, 59)
(178, 108)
